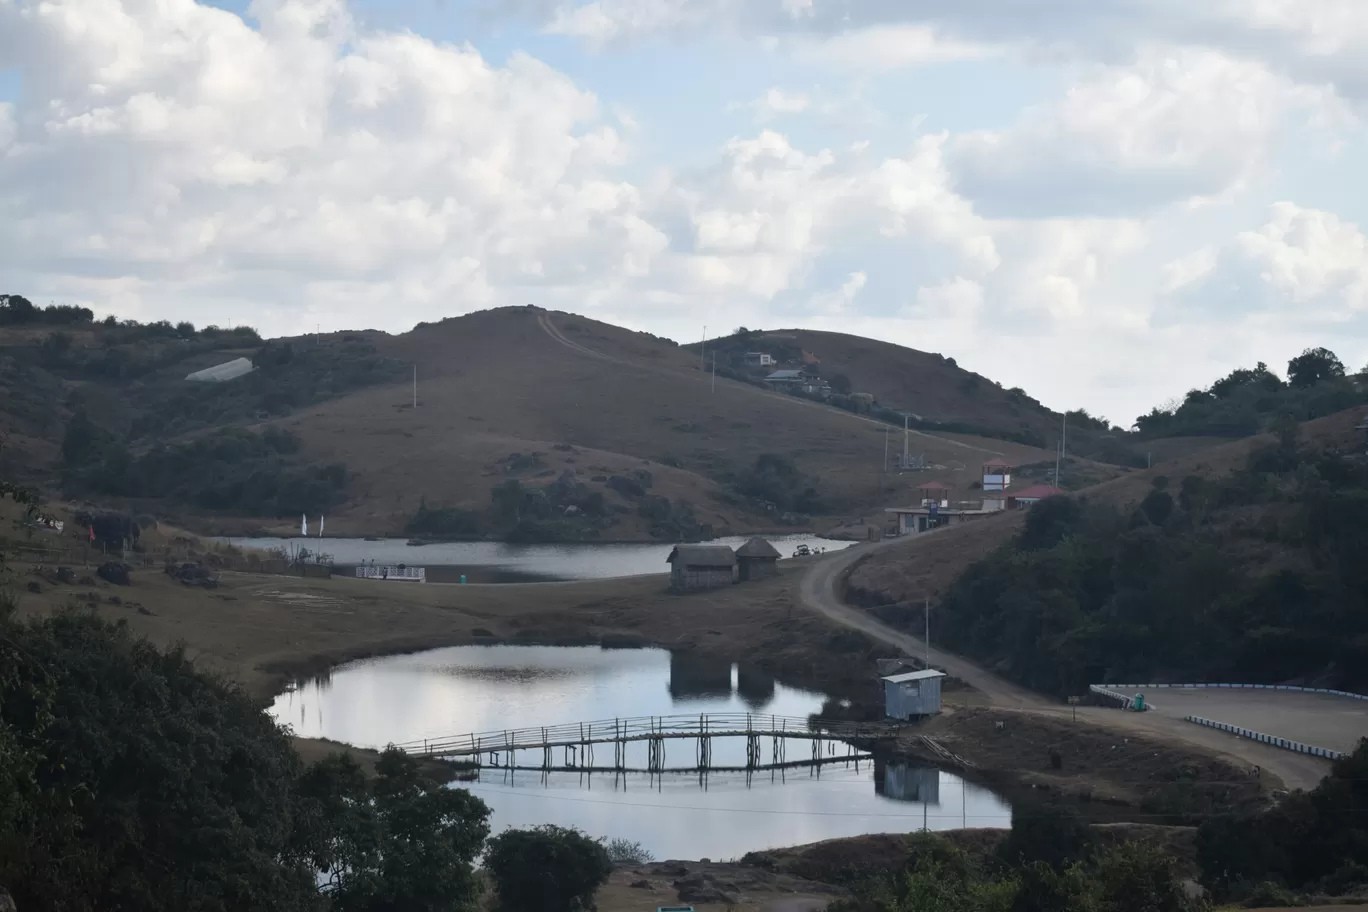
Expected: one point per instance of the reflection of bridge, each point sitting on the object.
(577, 741)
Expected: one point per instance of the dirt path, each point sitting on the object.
(820, 591)
(547, 325)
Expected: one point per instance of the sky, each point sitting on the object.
(1104, 203)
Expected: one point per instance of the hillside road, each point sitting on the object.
(820, 590)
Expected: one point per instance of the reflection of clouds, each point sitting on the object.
(490, 688)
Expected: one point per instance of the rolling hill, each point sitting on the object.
(518, 394)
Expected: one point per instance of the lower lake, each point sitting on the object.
(681, 814)
(499, 562)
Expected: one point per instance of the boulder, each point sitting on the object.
(114, 572)
(700, 888)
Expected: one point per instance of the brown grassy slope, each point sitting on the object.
(921, 382)
(925, 567)
(521, 380)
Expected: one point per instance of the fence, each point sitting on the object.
(1291, 687)
(1284, 743)
(412, 574)
(1125, 700)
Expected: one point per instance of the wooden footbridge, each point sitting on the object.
(575, 743)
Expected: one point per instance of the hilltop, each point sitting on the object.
(529, 423)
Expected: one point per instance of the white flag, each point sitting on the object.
(304, 525)
(320, 525)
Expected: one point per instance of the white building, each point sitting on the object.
(912, 694)
(229, 370)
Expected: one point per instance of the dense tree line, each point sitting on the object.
(1050, 862)
(232, 471)
(1247, 401)
(17, 310)
(1255, 577)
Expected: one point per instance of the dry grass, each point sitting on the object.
(519, 380)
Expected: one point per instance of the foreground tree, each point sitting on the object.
(1314, 366)
(546, 869)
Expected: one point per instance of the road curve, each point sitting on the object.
(820, 591)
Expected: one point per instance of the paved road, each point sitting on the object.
(1302, 720)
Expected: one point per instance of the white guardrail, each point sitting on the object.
(1124, 699)
(1318, 690)
(1284, 743)
(411, 574)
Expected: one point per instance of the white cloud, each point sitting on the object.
(776, 103)
(1176, 126)
(959, 297)
(1303, 265)
(886, 48)
(839, 300)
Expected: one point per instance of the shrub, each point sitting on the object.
(546, 868)
(625, 851)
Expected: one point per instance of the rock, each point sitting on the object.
(66, 575)
(87, 580)
(34, 588)
(699, 888)
(626, 487)
(7, 901)
(142, 609)
(192, 573)
(114, 600)
(114, 572)
(673, 869)
(641, 885)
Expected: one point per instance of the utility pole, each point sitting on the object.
(926, 612)
(907, 435)
(415, 386)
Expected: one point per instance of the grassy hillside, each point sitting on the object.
(1243, 562)
(524, 381)
(530, 423)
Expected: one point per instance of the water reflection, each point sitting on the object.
(498, 562)
(685, 814)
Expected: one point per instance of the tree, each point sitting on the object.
(546, 869)
(508, 499)
(841, 384)
(16, 309)
(1315, 365)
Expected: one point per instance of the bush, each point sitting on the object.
(625, 851)
(546, 869)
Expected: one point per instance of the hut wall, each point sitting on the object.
(689, 578)
(753, 568)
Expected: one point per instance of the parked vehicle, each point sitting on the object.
(803, 551)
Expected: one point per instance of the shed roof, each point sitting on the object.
(786, 375)
(933, 486)
(914, 676)
(757, 547)
(702, 556)
(1040, 491)
(998, 464)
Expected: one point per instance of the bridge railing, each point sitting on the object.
(640, 728)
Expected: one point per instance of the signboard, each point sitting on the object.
(1074, 701)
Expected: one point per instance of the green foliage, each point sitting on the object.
(17, 310)
(1308, 839)
(841, 384)
(232, 470)
(130, 780)
(774, 479)
(1044, 834)
(1089, 593)
(1247, 401)
(943, 878)
(626, 851)
(546, 869)
(394, 843)
(1315, 365)
(444, 522)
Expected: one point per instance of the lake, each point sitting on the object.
(499, 562)
(446, 692)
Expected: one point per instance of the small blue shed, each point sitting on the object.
(912, 694)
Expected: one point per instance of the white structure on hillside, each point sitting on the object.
(229, 370)
(912, 694)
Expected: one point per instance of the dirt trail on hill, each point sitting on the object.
(544, 320)
(820, 591)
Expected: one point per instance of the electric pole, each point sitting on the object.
(415, 386)
(927, 613)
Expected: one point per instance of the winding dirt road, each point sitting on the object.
(820, 591)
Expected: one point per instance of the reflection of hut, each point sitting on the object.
(903, 783)
(701, 567)
(757, 559)
(755, 688)
(698, 676)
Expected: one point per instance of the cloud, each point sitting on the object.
(1304, 264)
(886, 48)
(172, 143)
(776, 103)
(839, 300)
(1175, 126)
